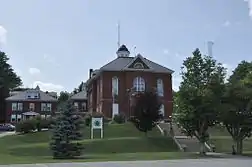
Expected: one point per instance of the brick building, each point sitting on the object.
(111, 88)
(29, 103)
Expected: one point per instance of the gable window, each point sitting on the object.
(160, 87)
(139, 84)
(114, 86)
(17, 106)
(139, 65)
(46, 107)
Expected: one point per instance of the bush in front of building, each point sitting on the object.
(119, 118)
(26, 126)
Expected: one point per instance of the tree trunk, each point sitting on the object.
(234, 147)
(202, 148)
(239, 146)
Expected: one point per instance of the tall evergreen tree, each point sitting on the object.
(9, 79)
(66, 132)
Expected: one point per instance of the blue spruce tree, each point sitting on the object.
(66, 132)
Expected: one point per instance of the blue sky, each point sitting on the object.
(53, 43)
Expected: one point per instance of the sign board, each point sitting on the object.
(96, 123)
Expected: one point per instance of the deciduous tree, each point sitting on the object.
(200, 95)
(146, 111)
(236, 111)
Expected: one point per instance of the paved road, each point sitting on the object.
(171, 163)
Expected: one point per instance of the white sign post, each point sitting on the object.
(96, 123)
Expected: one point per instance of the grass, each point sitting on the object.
(121, 142)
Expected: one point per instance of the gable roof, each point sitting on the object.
(134, 59)
(79, 96)
(121, 64)
(21, 96)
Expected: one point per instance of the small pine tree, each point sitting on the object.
(146, 111)
(66, 131)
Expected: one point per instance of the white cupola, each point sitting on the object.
(123, 51)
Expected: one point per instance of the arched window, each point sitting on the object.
(160, 87)
(139, 66)
(139, 84)
(115, 86)
(162, 110)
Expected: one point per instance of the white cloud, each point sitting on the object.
(3, 33)
(249, 7)
(47, 86)
(34, 71)
(226, 23)
(166, 51)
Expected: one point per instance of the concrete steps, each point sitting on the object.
(190, 144)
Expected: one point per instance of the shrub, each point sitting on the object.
(26, 126)
(119, 118)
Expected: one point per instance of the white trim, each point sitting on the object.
(132, 61)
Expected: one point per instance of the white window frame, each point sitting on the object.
(13, 117)
(115, 86)
(76, 105)
(139, 65)
(162, 110)
(46, 106)
(139, 84)
(32, 106)
(17, 106)
(160, 87)
(84, 106)
(14, 106)
(19, 117)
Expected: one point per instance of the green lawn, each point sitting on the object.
(121, 142)
(218, 131)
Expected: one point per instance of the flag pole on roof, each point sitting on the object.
(118, 34)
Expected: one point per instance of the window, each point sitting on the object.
(139, 84)
(13, 118)
(14, 106)
(17, 106)
(162, 110)
(19, 118)
(84, 106)
(31, 106)
(139, 65)
(114, 86)
(160, 87)
(46, 107)
(76, 105)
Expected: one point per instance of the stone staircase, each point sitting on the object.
(189, 144)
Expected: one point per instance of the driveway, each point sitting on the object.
(2, 134)
(245, 162)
